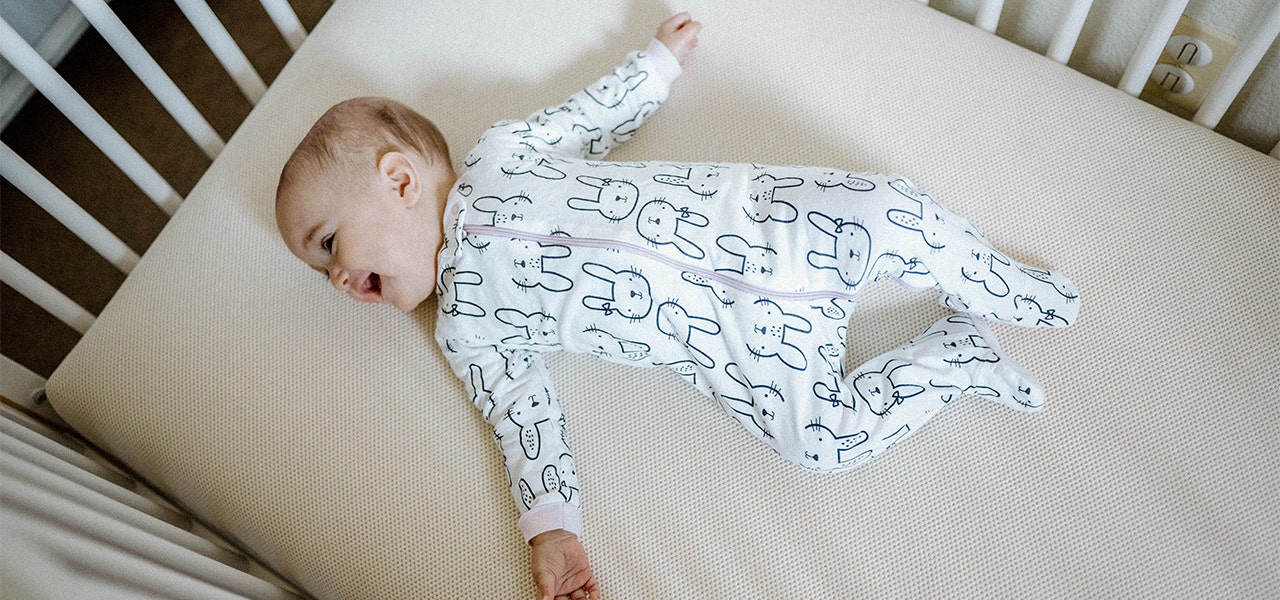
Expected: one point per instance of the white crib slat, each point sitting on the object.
(25, 59)
(286, 21)
(1248, 54)
(224, 48)
(54, 44)
(988, 14)
(1068, 32)
(22, 280)
(152, 76)
(1149, 48)
(66, 211)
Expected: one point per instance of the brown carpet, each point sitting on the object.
(47, 140)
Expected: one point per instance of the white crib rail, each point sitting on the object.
(44, 193)
(224, 48)
(60, 93)
(1262, 34)
(1068, 31)
(146, 68)
(43, 77)
(1148, 52)
(1255, 43)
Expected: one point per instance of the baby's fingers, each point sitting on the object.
(675, 22)
(679, 34)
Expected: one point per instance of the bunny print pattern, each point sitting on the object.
(740, 277)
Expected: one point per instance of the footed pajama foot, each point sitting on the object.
(1049, 300)
(968, 345)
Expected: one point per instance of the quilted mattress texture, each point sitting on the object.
(331, 439)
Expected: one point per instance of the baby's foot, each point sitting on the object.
(968, 344)
(1051, 300)
(1022, 391)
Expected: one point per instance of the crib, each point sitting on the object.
(328, 452)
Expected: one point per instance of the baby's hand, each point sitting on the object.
(680, 35)
(560, 568)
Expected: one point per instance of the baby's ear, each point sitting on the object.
(396, 169)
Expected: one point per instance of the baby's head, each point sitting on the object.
(362, 199)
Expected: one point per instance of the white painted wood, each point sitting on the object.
(224, 48)
(149, 72)
(25, 59)
(1263, 32)
(1068, 31)
(286, 21)
(1151, 45)
(23, 281)
(44, 193)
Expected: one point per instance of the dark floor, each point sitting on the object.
(47, 140)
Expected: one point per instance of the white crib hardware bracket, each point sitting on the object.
(1189, 65)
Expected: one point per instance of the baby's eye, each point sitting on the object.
(327, 243)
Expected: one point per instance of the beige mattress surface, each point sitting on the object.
(331, 439)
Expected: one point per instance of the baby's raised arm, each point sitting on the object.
(603, 115)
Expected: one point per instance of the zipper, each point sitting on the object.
(715, 276)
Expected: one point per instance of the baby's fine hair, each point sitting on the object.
(358, 132)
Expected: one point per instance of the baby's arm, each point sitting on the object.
(609, 111)
(513, 391)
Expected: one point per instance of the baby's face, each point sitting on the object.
(379, 243)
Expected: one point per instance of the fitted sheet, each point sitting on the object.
(331, 440)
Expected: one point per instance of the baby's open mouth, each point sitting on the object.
(373, 284)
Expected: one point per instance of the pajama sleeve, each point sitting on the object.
(514, 393)
(599, 117)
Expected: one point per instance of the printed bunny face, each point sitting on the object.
(763, 204)
(451, 302)
(850, 250)
(529, 268)
(1029, 310)
(676, 323)
(526, 161)
(757, 403)
(837, 179)
(628, 296)
(703, 180)
(504, 212)
(610, 91)
(609, 345)
(659, 222)
(530, 433)
(986, 268)
(878, 390)
(964, 349)
(746, 259)
(924, 218)
(765, 328)
(615, 198)
(831, 450)
(534, 329)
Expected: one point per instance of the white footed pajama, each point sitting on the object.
(740, 277)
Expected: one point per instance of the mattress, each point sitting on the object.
(331, 440)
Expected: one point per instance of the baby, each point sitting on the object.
(739, 277)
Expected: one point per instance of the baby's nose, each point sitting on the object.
(339, 278)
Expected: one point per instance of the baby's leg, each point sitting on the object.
(976, 277)
(882, 228)
(886, 399)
